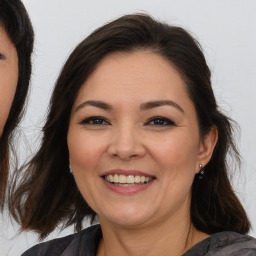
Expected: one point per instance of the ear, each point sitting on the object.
(206, 147)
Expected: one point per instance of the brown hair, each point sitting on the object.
(17, 25)
(48, 195)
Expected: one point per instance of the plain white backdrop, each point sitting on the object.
(227, 32)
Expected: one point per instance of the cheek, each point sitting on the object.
(7, 92)
(177, 148)
(176, 158)
(176, 154)
(84, 151)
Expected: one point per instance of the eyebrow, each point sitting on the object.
(94, 103)
(144, 106)
(159, 103)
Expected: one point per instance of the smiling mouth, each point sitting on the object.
(129, 180)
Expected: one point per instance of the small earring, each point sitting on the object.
(70, 170)
(201, 172)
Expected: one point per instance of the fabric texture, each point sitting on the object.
(85, 243)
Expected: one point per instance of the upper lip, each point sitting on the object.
(126, 172)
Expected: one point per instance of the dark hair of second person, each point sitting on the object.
(15, 21)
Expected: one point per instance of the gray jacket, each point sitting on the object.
(85, 243)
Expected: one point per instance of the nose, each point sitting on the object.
(126, 144)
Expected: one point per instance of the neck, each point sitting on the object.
(165, 239)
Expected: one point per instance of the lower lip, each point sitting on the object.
(128, 190)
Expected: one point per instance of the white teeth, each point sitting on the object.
(130, 179)
(122, 179)
(147, 179)
(116, 179)
(111, 178)
(137, 179)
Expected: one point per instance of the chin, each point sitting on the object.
(127, 222)
(128, 218)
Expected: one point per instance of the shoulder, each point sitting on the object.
(68, 245)
(225, 243)
(232, 243)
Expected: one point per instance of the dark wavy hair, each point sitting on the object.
(16, 23)
(47, 195)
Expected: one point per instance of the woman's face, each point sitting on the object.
(134, 142)
(8, 76)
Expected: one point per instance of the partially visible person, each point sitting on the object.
(135, 137)
(16, 46)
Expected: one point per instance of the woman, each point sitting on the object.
(16, 45)
(134, 137)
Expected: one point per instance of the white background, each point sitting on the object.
(227, 31)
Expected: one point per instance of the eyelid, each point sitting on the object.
(165, 119)
(2, 57)
(86, 120)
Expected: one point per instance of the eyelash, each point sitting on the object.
(154, 121)
(94, 120)
(2, 57)
(160, 121)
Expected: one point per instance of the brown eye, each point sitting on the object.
(2, 57)
(160, 121)
(95, 120)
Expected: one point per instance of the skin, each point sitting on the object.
(156, 220)
(8, 76)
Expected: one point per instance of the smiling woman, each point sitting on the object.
(16, 45)
(133, 117)
(149, 135)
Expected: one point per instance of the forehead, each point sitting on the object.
(5, 40)
(3, 34)
(138, 72)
